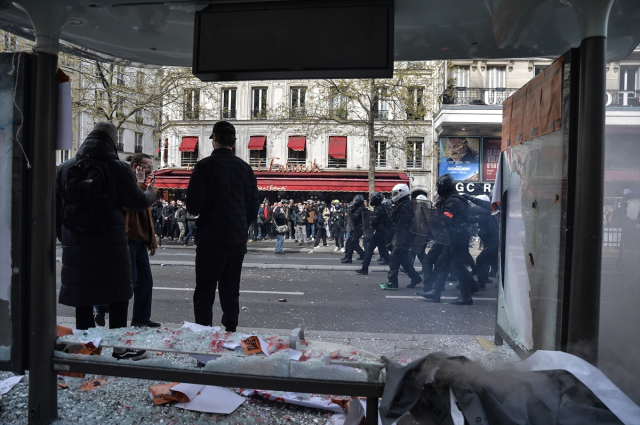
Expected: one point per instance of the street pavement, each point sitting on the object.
(315, 291)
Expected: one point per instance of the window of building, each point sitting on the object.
(496, 77)
(120, 144)
(10, 42)
(380, 106)
(228, 104)
(259, 103)
(138, 145)
(191, 104)
(257, 150)
(120, 75)
(381, 152)
(338, 152)
(139, 117)
(414, 152)
(297, 147)
(298, 101)
(99, 100)
(165, 152)
(537, 69)
(63, 155)
(461, 76)
(415, 105)
(119, 107)
(338, 105)
(629, 78)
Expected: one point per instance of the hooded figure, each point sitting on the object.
(97, 269)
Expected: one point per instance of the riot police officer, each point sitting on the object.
(456, 211)
(378, 227)
(390, 232)
(489, 233)
(353, 243)
(402, 216)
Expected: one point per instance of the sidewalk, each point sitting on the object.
(257, 247)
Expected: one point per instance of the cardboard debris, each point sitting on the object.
(161, 394)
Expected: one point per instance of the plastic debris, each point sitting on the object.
(282, 300)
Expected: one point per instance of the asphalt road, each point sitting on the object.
(317, 299)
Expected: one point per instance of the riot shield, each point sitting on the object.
(419, 244)
(438, 228)
(419, 224)
(367, 226)
(403, 237)
(348, 221)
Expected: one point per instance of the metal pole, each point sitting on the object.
(584, 304)
(43, 394)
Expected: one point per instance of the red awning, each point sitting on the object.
(338, 147)
(256, 143)
(328, 182)
(163, 145)
(188, 144)
(297, 143)
(172, 179)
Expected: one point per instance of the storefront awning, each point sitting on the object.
(256, 143)
(338, 147)
(297, 143)
(327, 182)
(172, 179)
(188, 144)
(625, 175)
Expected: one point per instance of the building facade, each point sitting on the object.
(296, 158)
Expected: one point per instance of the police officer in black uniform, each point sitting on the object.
(353, 243)
(379, 220)
(402, 216)
(390, 232)
(489, 233)
(456, 211)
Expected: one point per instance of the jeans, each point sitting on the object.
(260, 231)
(279, 242)
(192, 232)
(301, 233)
(158, 228)
(142, 282)
(223, 274)
(309, 231)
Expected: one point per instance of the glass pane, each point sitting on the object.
(232, 105)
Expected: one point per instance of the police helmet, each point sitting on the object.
(375, 198)
(358, 199)
(399, 191)
(445, 184)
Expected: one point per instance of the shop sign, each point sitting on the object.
(491, 149)
(474, 189)
(291, 168)
(273, 188)
(459, 156)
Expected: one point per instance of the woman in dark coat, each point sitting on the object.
(97, 269)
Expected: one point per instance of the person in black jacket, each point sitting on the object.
(353, 243)
(223, 192)
(320, 223)
(337, 225)
(402, 216)
(379, 224)
(279, 219)
(97, 270)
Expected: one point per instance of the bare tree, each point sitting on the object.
(391, 108)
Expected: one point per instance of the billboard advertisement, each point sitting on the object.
(490, 157)
(459, 156)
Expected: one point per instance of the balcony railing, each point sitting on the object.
(297, 161)
(340, 114)
(624, 98)
(229, 114)
(137, 149)
(297, 112)
(337, 163)
(255, 161)
(120, 147)
(381, 115)
(258, 114)
(472, 96)
(414, 163)
(381, 162)
(188, 161)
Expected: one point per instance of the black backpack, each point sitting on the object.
(87, 204)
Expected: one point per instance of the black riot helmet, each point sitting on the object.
(358, 199)
(387, 202)
(375, 199)
(445, 185)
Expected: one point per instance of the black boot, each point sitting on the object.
(362, 271)
(346, 260)
(414, 283)
(360, 258)
(464, 299)
(432, 295)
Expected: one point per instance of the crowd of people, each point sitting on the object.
(109, 224)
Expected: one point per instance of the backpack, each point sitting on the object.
(86, 197)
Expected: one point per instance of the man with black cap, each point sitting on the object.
(223, 192)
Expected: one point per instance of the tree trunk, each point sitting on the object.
(371, 140)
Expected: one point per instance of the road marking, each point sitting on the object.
(244, 292)
(443, 298)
